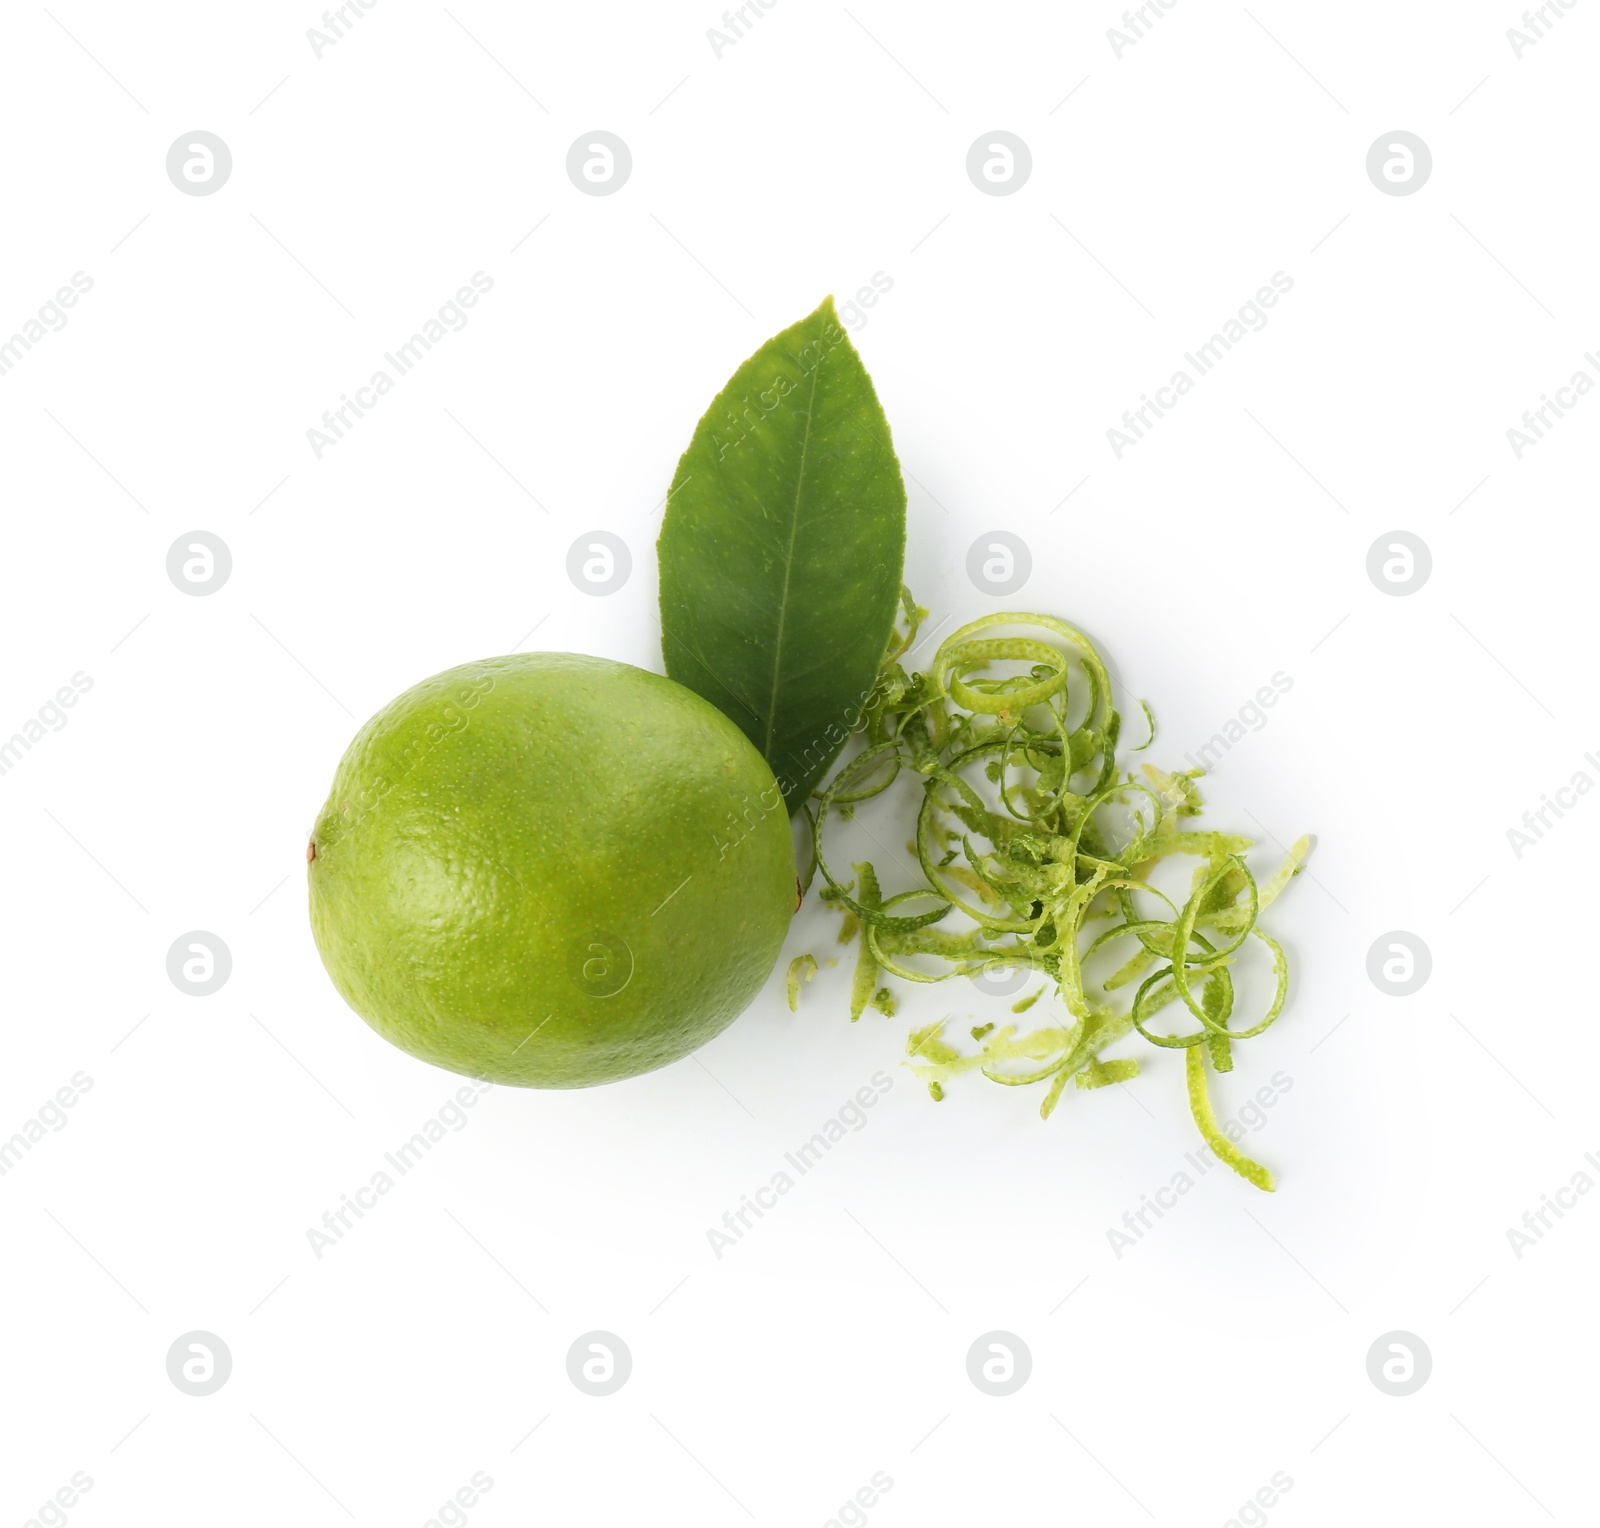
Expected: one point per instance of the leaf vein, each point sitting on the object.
(788, 566)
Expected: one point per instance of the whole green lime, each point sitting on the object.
(551, 870)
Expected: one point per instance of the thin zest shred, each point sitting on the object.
(801, 969)
(1028, 830)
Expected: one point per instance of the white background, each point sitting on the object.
(1168, 184)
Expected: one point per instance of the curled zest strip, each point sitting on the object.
(1029, 831)
(865, 914)
(801, 969)
(1200, 1106)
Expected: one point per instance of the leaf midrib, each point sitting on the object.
(788, 563)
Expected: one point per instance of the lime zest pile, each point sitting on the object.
(1029, 829)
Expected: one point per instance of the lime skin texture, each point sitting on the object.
(551, 871)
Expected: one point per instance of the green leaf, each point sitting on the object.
(782, 548)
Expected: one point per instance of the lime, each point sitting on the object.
(551, 870)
